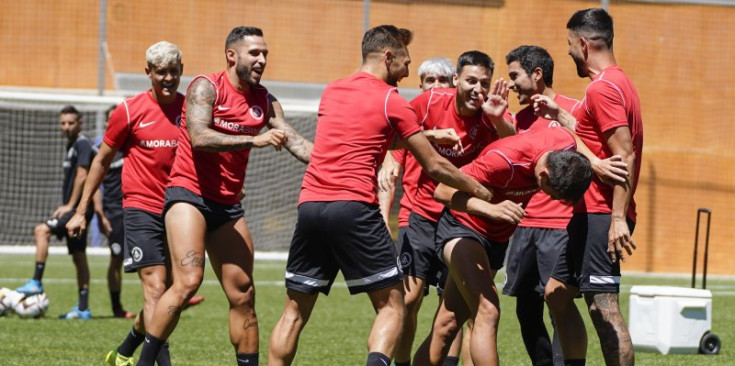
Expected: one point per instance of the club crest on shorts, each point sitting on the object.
(405, 260)
(137, 254)
(256, 112)
(116, 248)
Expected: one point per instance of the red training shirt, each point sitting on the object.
(358, 118)
(436, 110)
(610, 101)
(147, 133)
(219, 176)
(507, 167)
(542, 211)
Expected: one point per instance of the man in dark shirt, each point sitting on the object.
(79, 155)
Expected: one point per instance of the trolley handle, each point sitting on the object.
(708, 212)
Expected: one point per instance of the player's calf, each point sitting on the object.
(617, 347)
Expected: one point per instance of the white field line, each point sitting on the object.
(56, 250)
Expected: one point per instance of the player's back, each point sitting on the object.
(358, 118)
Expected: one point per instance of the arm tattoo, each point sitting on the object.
(193, 259)
(199, 103)
(296, 144)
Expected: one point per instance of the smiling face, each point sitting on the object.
(521, 83)
(473, 86)
(249, 57)
(165, 79)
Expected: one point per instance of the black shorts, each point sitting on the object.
(449, 228)
(418, 250)
(145, 240)
(531, 258)
(58, 228)
(116, 240)
(215, 213)
(584, 261)
(349, 236)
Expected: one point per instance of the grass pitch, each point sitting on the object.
(335, 335)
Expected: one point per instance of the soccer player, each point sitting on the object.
(609, 121)
(476, 122)
(78, 158)
(434, 72)
(112, 204)
(537, 241)
(339, 225)
(223, 115)
(145, 128)
(472, 238)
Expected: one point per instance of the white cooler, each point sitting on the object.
(670, 319)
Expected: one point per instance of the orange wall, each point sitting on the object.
(678, 56)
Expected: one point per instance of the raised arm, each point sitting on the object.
(97, 171)
(495, 108)
(611, 170)
(199, 104)
(296, 144)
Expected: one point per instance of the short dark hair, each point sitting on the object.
(570, 174)
(531, 57)
(70, 109)
(594, 24)
(237, 33)
(385, 36)
(475, 58)
(109, 110)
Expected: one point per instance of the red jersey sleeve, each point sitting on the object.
(400, 115)
(606, 104)
(490, 169)
(118, 127)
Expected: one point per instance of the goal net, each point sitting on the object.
(32, 150)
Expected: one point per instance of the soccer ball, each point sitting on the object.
(8, 300)
(33, 306)
(3, 309)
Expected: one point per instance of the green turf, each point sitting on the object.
(336, 334)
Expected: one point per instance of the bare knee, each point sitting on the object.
(41, 230)
(557, 297)
(153, 290)
(243, 297)
(186, 285)
(413, 302)
(489, 311)
(603, 307)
